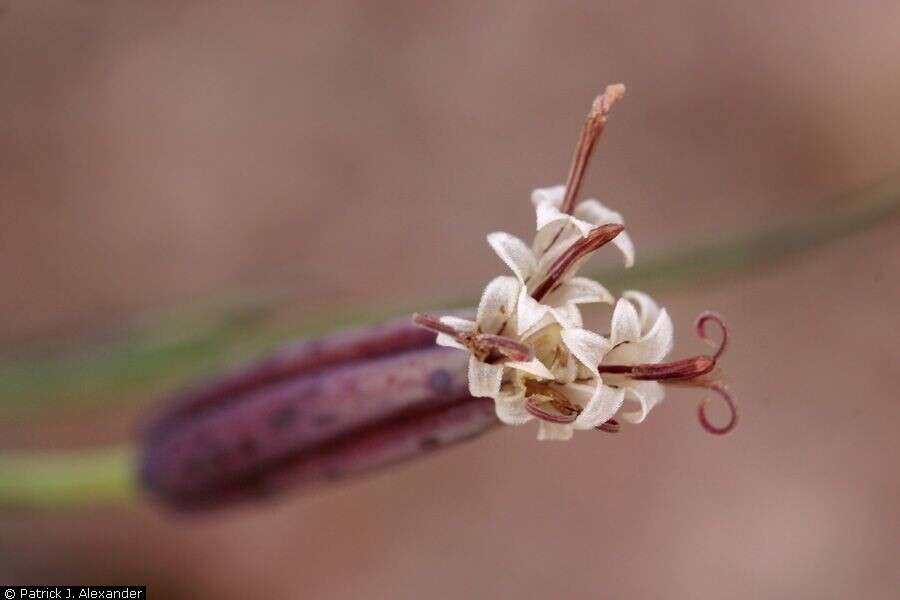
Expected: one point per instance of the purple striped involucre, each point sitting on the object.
(314, 412)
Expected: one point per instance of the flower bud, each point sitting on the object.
(314, 412)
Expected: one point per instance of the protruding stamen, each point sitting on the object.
(611, 426)
(433, 323)
(485, 346)
(679, 370)
(590, 133)
(701, 331)
(540, 395)
(533, 406)
(509, 348)
(598, 237)
(726, 396)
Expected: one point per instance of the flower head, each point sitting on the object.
(529, 348)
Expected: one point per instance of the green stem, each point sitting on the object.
(67, 479)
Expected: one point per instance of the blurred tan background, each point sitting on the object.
(154, 154)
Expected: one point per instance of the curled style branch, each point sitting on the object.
(700, 326)
(723, 393)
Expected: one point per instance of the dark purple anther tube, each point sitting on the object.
(314, 412)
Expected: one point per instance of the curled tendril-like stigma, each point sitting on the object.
(701, 331)
(723, 393)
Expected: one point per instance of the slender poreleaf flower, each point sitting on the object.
(529, 348)
(353, 402)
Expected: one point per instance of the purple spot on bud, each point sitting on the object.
(326, 419)
(429, 443)
(283, 418)
(248, 447)
(440, 381)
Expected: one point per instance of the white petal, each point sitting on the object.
(511, 410)
(578, 290)
(484, 379)
(561, 237)
(626, 326)
(648, 394)
(533, 367)
(460, 325)
(572, 315)
(514, 253)
(566, 315)
(626, 246)
(588, 347)
(648, 309)
(547, 213)
(445, 340)
(529, 311)
(581, 393)
(498, 303)
(547, 237)
(651, 348)
(658, 341)
(553, 195)
(567, 372)
(583, 227)
(604, 403)
(554, 431)
(593, 211)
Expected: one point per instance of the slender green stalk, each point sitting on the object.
(160, 351)
(67, 479)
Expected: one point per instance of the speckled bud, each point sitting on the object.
(315, 412)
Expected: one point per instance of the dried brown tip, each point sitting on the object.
(723, 393)
(433, 323)
(590, 133)
(597, 238)
(604, 102)
(611, 426)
